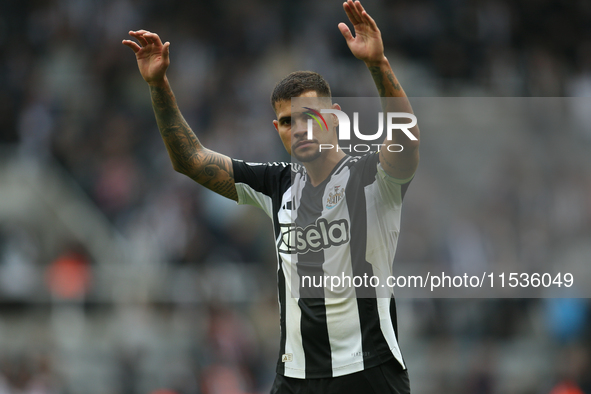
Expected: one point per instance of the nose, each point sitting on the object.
(299, 127)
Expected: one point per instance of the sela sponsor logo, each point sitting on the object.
(345, 129)
(315, 237)
(334, 196)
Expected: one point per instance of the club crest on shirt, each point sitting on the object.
(334, 196)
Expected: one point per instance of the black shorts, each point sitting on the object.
(388, 378)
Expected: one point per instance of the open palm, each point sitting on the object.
(367, 44)
(152, 56)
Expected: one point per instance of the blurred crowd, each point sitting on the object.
(71, 93)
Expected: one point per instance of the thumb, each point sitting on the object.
(166, 50)
(345, 32)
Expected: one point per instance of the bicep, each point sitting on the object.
(403, 164)
(214, 171)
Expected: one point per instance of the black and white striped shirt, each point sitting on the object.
(348, 224)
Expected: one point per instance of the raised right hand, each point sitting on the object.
(152, 56)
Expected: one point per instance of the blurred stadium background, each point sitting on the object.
(120, 276)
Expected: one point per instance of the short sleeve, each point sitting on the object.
(257, 183)
(394, 187)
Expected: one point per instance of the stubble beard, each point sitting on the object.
(308, 157)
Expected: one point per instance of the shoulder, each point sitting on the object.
(365, 162)
(263, 177)
(277, 164)
(270, 167)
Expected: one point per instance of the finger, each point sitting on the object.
(354, 12)
(143, 41)
(369, 20)
(139, 35)
(166, 50)
(133, 45)
(351, 13)
(150, 38)
(153, 38)
(346, 32)
(359, 8)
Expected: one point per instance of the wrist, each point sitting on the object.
(377, 62)
(159, 83)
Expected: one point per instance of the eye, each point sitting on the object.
(285, 121)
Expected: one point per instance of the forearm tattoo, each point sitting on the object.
(387, 87)
(188, 156)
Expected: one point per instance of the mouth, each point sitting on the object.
(304, 144)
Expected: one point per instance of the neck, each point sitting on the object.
(319, 169)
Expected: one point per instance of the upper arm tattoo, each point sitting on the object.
(188, 156)
(216, 173)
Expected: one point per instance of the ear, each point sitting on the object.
(336, 118)
(276, 124)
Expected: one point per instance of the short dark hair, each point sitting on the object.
(297, 83)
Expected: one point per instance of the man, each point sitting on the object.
(347, 344)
